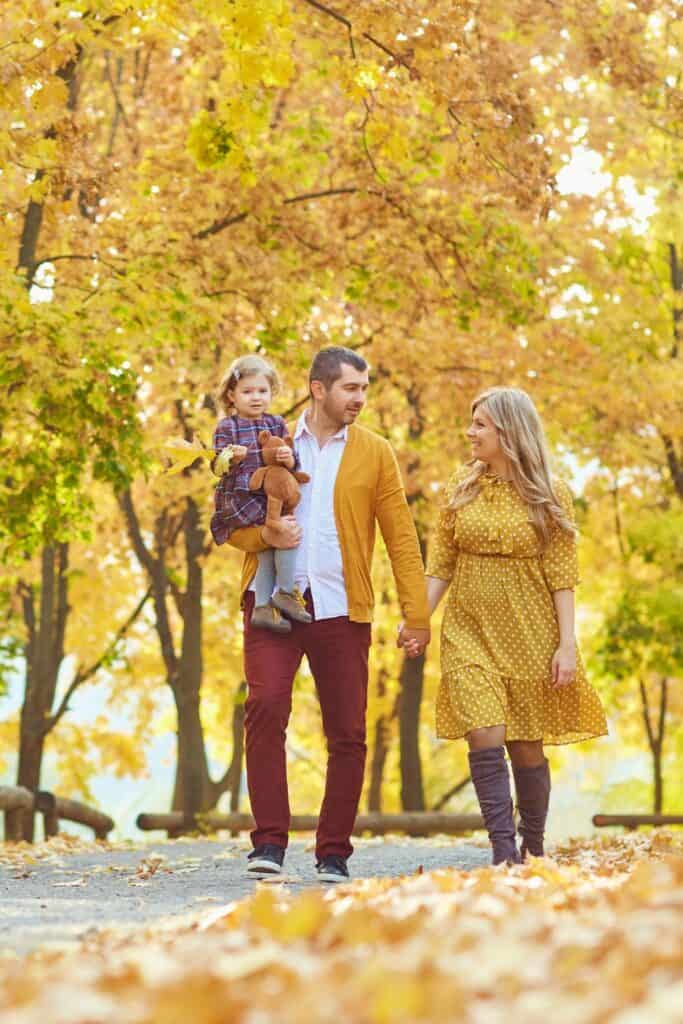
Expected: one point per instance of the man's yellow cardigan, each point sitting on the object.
(368, 489)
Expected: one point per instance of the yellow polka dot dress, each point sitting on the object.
(499, 630)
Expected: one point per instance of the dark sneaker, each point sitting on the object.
(332, 869)
(264, 616)
(266, 860)
(292, 605)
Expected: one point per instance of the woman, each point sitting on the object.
(505, 545)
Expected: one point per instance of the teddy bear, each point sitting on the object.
(281, 487)
(280, 484)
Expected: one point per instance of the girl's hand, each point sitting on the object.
(564, 665)
(228, 457)
(284, 456)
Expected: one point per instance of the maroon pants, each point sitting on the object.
(337, 652)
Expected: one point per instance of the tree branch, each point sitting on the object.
(321, 195)
(617, 519)
(142, 552)
(237, 218)
(646, 715)
(218, 225)
(82, 677)
(117, 99)
(663, 699)
(29, 614)
(675, 464)
(453, 791)
(324, 9)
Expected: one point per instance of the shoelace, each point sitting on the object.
(299, 598)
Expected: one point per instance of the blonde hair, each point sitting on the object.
(522, 440)
(245, 366)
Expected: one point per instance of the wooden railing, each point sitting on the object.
(16, 801)
(413, 823)
(635, 821)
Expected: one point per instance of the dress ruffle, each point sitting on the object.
(531, 709)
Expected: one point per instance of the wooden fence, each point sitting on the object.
(16, 802)
(413, 823)
(635, 821)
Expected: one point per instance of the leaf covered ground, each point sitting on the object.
(594, 934)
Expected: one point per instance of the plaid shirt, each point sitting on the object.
(235, 505)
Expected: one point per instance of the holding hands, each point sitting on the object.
(413, 641)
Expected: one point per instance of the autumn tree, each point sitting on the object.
(280, 174)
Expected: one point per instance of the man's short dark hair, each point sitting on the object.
(327, 364)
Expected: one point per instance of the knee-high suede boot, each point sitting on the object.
(533, 796)
(492, 785)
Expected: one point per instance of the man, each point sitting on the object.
(355, 483)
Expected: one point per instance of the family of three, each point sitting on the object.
(504, 549)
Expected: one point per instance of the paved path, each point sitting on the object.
(63, 899)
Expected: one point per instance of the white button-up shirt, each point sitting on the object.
(319, 559)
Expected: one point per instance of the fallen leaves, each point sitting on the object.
(148, 867)
(593, 935)
(51, 851)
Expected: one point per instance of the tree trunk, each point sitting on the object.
(45, 645)
(235, 769)
(33, 217)
(410, 702)
(412, 679)
(658, 781)
(194, 791)
(674, 454)
(192, 768)
(192, 788)
(43, 652)
(655, 737)
(380, 749)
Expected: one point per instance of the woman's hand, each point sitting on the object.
(284, 456)
(413, 641)
(564, 665)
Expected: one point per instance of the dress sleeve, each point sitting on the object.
(442, 553)
(559, 559)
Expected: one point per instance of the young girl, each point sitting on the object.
(511, 675)
(244, 395)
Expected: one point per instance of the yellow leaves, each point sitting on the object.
(359, 79)
(183, 453)
(250, 21)
(285, 923)
(279, 71)
(596, 936)
(208, 140)
(52, 96)
(367, 78)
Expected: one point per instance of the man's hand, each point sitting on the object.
(413, 641)
(286, 534)
(284, 456)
